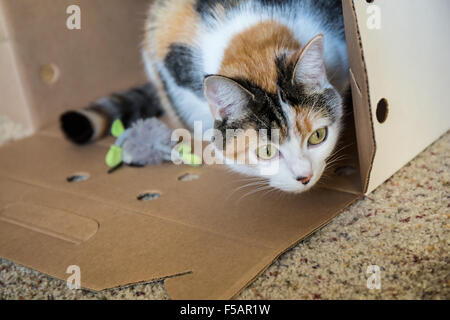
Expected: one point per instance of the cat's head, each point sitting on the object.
(306, 113)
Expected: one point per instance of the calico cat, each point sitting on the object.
(245, 64)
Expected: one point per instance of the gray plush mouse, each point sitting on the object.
(146, 142)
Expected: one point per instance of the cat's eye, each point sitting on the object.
(267, 152)
(318, 137)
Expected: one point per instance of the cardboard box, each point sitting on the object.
(39, 81)
(207, 238)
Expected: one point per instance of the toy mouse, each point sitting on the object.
(146, 142)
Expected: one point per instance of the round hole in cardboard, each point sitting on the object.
(382, 110)
(78, 177)
(345, 171)
(188, 177)
(148, 196)
(49, 73)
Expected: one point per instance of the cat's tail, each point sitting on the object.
(89, 124)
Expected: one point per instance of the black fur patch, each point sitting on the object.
(77, 127)
(329, 10)
(206, 7)
(174, 107)
(290, 93)
(137, 103)
(295, 94)
(264, 112)
(184, 67)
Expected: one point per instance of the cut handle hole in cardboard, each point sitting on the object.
(188, 177)
(149, 196)
(382, 110)
(78, 177)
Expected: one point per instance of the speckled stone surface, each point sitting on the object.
(403, 227)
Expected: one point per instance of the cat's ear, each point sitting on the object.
(310, 68)
(226, 97)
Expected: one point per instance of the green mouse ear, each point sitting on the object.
(117, 128)
(114, 156)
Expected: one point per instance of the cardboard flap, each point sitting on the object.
(221, 235)
(405, 54)
(54, 222)
(360, 94)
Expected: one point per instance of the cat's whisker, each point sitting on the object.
(250, 185)
(333, 167)
(336, 155)
(260, 182)
(272, 189)
(340, 149)
(330, 79)
(259, 119)
(253, 192)
(250, 179)
(338, 159)
(337, 162)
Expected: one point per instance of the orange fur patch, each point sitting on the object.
(304, 121)
(172, 21)
(251, 54)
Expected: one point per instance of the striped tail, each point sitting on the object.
(94, 122)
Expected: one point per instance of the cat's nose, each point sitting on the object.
(304, 180)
